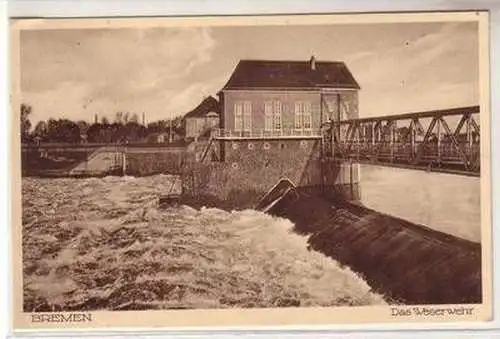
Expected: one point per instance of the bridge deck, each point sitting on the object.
(422, 140)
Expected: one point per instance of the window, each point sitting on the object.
(303, 115)
(344, 109)
(277, 121)
(272, 111)
(331, 109)
(247, 116)
(268, 113)
(238, 117)
(298, 115)
(307, 116)
(200, 124)
(243, 116)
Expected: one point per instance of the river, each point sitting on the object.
(103, 244)
(445, 202)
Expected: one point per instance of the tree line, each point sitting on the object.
(125, 128)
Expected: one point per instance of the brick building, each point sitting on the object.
(286, 98)
(270, 129)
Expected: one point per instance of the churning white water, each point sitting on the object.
(105, 244)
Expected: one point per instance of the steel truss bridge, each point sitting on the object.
(440, 141)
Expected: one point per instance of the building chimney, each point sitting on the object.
(312, 62)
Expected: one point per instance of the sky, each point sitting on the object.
(167, 71)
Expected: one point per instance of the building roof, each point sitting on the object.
(291, 74)
(209, 104)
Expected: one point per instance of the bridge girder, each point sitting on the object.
(421, 140)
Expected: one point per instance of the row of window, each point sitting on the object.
(272, 115)
(251, 146)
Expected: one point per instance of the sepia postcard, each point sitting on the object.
(281, 170)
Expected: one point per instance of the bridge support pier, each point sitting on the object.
(251, 167)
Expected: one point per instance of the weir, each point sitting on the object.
(314, 182)
(291, 145)
(406, 262)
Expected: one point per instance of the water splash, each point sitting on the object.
(106, 245)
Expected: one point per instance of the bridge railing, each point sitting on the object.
(419, 140)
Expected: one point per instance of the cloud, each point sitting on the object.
(180, 102)
(432, 71)
(61, 102)
(163, 71)
(108, 69)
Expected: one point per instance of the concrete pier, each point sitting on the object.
(247, 168)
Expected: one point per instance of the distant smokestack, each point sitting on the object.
(96, 118)
(312, 62)
(144, 118)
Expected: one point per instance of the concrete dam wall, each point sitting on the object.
(56, 161)
(143, 162)
(106, 160)
(409, 263)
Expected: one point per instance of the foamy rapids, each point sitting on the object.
(103, 244)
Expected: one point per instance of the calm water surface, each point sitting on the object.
(445, 202)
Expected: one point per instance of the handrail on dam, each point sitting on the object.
(282, 133)
(421, 140)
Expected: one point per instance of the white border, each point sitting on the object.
(64, 8)
(5, 209)
(82, 8)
